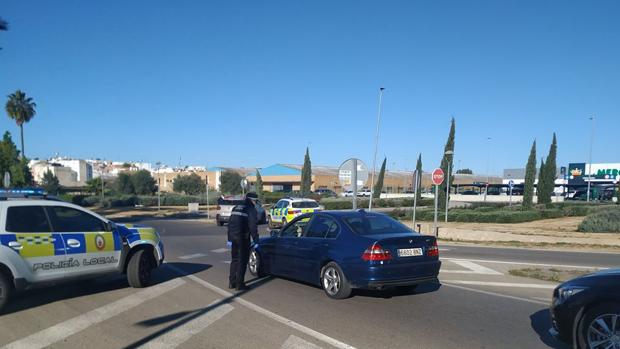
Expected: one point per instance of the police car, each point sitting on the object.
(288, 208)
(44, 240)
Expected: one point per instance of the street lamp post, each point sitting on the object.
(374, 161)
(448, 154)
(486, 190)
(590, 159)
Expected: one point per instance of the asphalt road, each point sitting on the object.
(477, 305)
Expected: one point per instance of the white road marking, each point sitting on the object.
(500, 284)
(294, 342)
(301, 328)
(441, 249)
(181, 334)
(220, 250)
(190, 256)
(473, 269)
(547, 300)
(496, 294)
(72, 326)
(226, 262)
(524, 263)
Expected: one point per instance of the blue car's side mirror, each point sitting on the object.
(275, 233)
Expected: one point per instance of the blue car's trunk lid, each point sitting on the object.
(405, 247)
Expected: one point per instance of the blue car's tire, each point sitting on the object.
(334, 282)
(255, 266)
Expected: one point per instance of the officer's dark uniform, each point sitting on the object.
(241, 226)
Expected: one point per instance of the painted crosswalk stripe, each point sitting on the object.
(281, 319)
(472, 268)
(499, 284)
(190, 256)
(220, 250)
(72, 326)
(294, 342)
(181, 334)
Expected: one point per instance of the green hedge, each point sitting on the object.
(347, 203)
(603, 221)
(143, 200)
(480, 216)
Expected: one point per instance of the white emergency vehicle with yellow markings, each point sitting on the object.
(46, 241)
(287, 209)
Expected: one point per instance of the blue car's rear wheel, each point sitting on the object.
(334, 282)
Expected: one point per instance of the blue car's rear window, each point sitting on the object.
(375, 225)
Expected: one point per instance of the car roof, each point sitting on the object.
(349, 213)
(298, 199)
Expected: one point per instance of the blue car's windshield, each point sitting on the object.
(375, 225)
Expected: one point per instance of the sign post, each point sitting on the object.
(352, 175)
(511, 184)
(437, 178)
(415, 195)
(207, 187)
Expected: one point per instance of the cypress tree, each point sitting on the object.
(530, 177)
(259, 187)
(542, 183)
(306, 175)
(550, 173)
(418, 185)
(447, 159)
(376, 192)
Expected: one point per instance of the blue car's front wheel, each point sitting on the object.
(254, 264)
(334, 282)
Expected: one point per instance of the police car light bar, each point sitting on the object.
(22, 192)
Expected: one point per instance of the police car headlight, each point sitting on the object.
(565, 293)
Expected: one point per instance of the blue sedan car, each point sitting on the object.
(345, 250)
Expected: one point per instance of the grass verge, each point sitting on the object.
(549, 274)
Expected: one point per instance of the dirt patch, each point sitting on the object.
(549, 274)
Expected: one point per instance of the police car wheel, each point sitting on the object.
(5, 290)
(139, 269)
(219, 222)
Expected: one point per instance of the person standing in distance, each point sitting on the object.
(241, 227)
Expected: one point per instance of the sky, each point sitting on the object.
(253, 83)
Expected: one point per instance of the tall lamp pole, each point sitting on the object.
(448, 154)
(374, 161)
(590, 159)
(486, 190)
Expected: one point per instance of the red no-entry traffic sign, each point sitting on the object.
(437, 176)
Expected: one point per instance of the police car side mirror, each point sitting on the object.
(110, 226)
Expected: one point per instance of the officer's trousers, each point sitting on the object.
(240, 254)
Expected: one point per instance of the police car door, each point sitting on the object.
(88, 244)
(32, 248)
(275, 211)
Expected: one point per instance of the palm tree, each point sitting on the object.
(21, 109)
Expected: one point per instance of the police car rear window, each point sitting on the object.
(27, 219)
(305, 204)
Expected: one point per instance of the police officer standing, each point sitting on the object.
(241, 226)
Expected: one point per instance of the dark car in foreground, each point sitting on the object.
(345, 250)
(586, 311)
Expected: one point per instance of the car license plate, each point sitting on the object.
(409, 252)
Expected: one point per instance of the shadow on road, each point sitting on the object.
(84, 287)
(398, 291)
(541, 323)
(181, 318)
